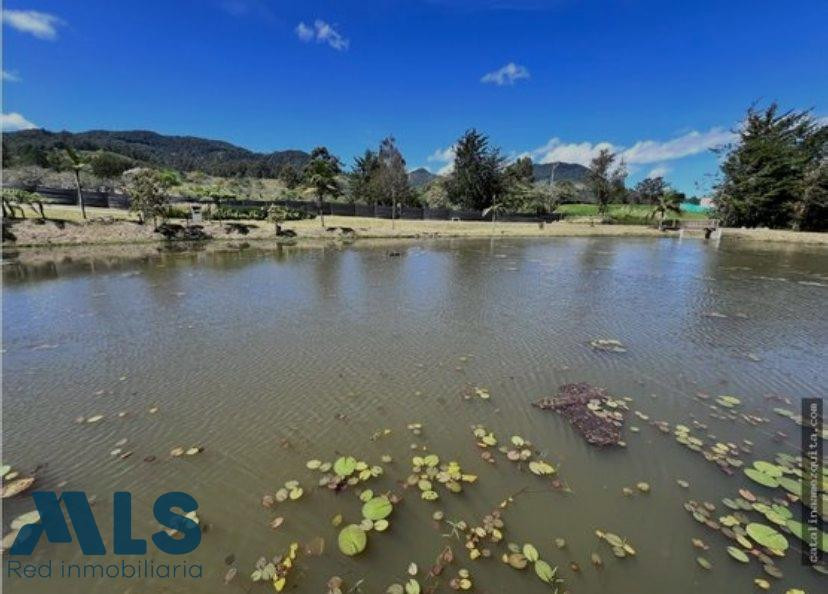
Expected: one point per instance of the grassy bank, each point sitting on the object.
(631, 214)
(105, 226)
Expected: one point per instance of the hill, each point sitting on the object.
(184, 153)
(559, 171)
(420, 177)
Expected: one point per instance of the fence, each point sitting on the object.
(112, 200)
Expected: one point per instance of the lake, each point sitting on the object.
(270, 356)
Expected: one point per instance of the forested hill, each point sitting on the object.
(184, 153)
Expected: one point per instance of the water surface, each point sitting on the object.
(270, 356)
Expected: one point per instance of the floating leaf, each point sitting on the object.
(352, 540)
(412, 586)
(761, 477)
(768, 468)
(517, 560)
(32, 517)
(345, 466)
(377, 508)
(541, 468)
(530, 552)
(16, 486)
(767, 536)
(544, 571)
(704, 563)
(314, 464)
(276, 522)
(738, 554)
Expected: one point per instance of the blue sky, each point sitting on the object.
(556, 79)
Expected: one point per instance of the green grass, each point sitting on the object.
(622, 213)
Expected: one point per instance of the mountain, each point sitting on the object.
(559, 171)
(420, 177)
(184, 153)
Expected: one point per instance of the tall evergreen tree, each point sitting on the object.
(606, 181)
(362, 180)
(771, 176)
(477, 178)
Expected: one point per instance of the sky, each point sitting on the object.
(660, 82)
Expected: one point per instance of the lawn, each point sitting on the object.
(623, 213)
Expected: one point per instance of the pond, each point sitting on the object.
(271, 356)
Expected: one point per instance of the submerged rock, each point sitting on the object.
(594, 413)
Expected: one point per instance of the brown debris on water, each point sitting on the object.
(593, 412)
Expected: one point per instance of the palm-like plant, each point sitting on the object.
(495, 209)
(78, 163)
(663, 203)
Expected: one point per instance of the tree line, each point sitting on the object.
(774, 174)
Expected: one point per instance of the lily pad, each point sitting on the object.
(352, 540)
(345, 466)
(767, 536)
(761, 478)
(738, 554)
(704, 563)
(768, 468)
(377, 508)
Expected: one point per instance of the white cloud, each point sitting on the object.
(40, 24)
(10, 76)
(659, 171)
(692, 143)
(322, 32)
(506, 75)
(581, 153)
(14, 121)
(304, 32)
(642, 152)
(445, 156)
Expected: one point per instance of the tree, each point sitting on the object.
(78, 163)
(770, 176)
(362, 180)
(651, 189)
(604, 180)
(811, 212)
(564, 191)
(289, 176)
(147, 190)
(108, 165)
(392, 176)
(320, 177)
(477, 175)
(520, 171)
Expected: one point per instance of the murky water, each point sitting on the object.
(269, 357)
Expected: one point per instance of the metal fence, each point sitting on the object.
(112, 200)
